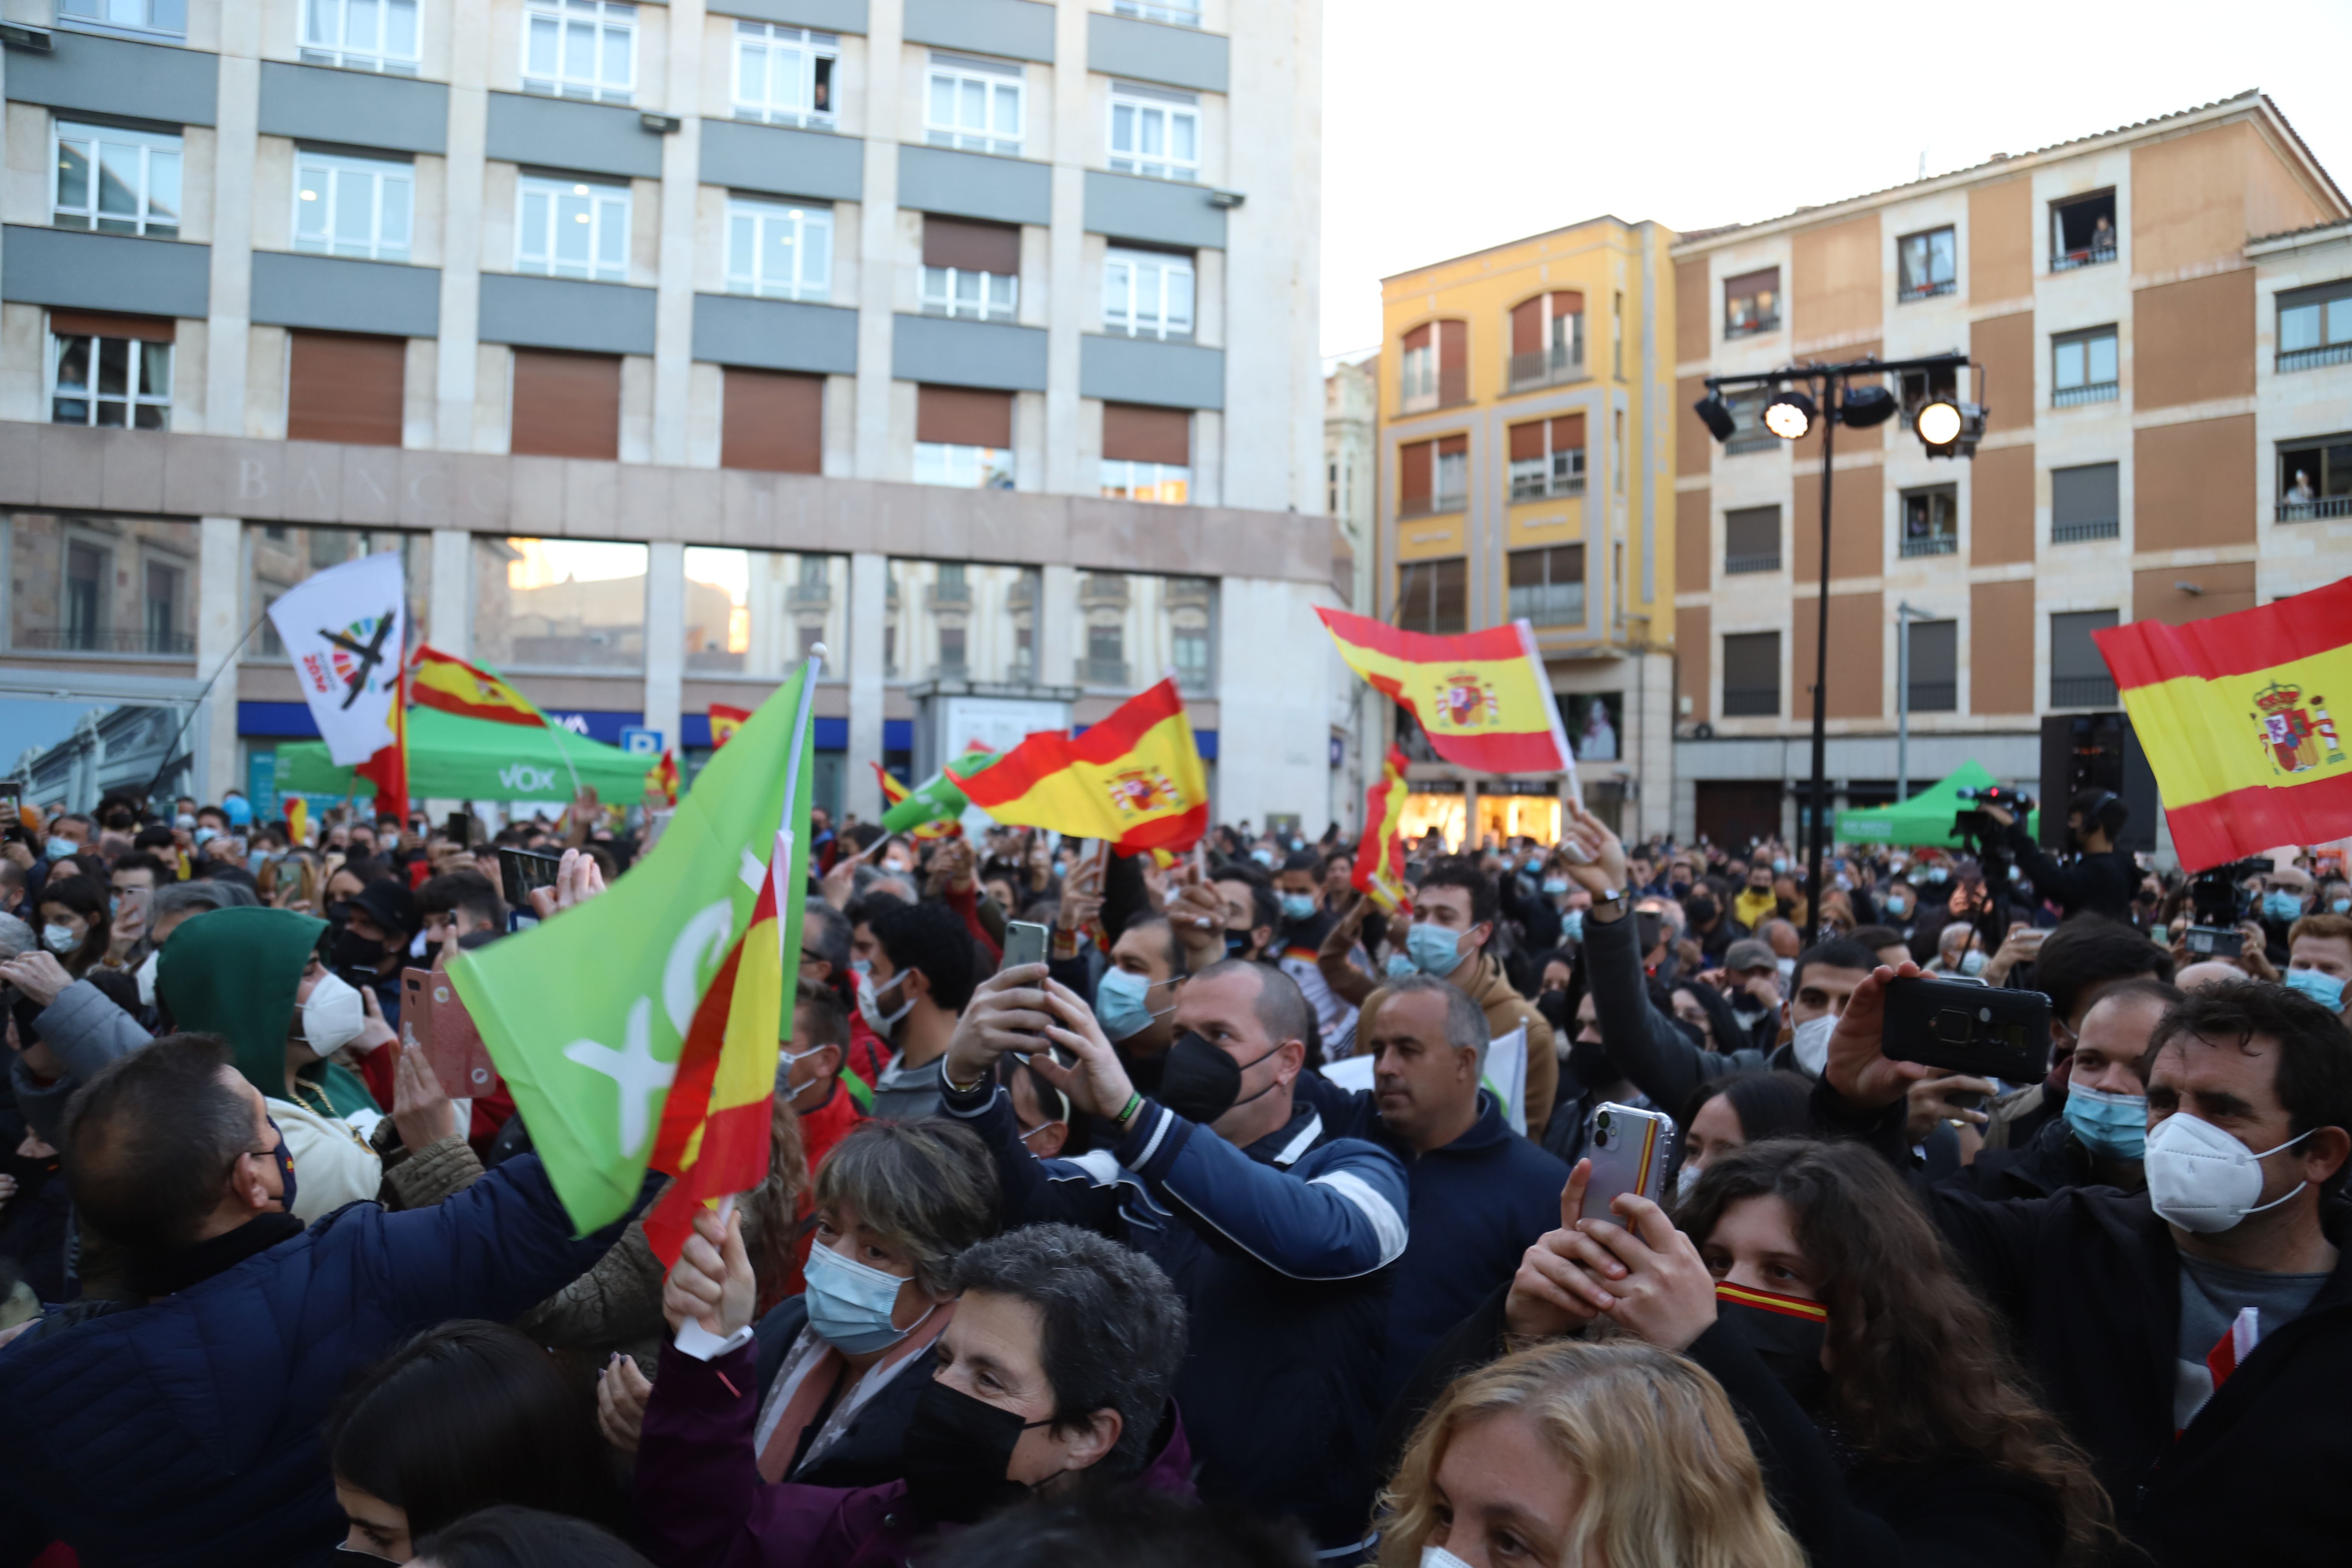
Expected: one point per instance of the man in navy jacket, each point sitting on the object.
(186, 1426)
(1281, 1238)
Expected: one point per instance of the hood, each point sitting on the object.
(233, 972)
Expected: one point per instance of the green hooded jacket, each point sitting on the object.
(234, 972)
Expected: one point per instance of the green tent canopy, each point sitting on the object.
(450, 758)
(1925, 819)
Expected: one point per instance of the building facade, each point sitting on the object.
(1526, 453)
(972, 339)
(1351, 419)
(2159, 377)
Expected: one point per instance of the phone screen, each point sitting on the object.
(520, 870)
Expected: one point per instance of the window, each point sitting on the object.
(1747, 432)
(784, 75)
(1147, 294)
(964, 437)
(1452, 472)
(1147, 453)
(1180, 15)
(1154, 132)
(2083, 232)
(2083, 504)
(166, 606)
(1921, 387)
(1752, 540)
(341, 386)
(1751, 303)
(2079, 677)
(88, 569)
(1617, 450)
(2082, 368)
(1432, 476)
(168, 16)
(2314, 326)
(955, 620)
(279, 559)
(1547, 457)
(360, 35)
(1190, 645)
(116, 180)
(580, 48)
(1935, 685)
(1931, 521)
(780, 251)
(974, 105)
(101, 584)
(1926, 265)
(353, 206)
(1751, 675)
(1548, 585)
(2315, 478)
(1547, 339)
(1105, 661)
(773, 420)
(564, 605)
(1436, 365)
(970, 269)
(1617, 334)
(113, 372)
(571, 228)
(1433, 596)
(564, 405)
(757, 612)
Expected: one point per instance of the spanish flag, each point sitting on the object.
(441, 680)
(388, 768)
(724, 722)
(1483, 698)
(661, 779)
(1379, 856)
(1135, 779)
(2233, 715)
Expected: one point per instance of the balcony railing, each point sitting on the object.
(2311, 359)
(950, 669)
(1750, 441)
(1102, 588)
(1934, 696)
(2076, 532)
(1543, 367)
(1181, 15)
(1429, 506)
(1752, 702)
(1544, 485)
(1752, 327)
(1102, 672)
(87, 639)
(1762, 561)
(956, 594)
(1933, 545)
(2082, 691)
(1926, 290)
(2097, 392)
(809, 594)
(2306, 511)
(2068, 260)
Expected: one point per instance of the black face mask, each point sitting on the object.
(1692, 1032)
(1786, 1332)
(1678, 891)
(1589, 1061)
(956, 1451)
(1702, 911)
(1237, 943)
(1553, 1004)
(349, 951)
(1201, 1082)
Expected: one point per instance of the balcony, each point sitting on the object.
(2095, 392)
(1429, 506)
(1926, 291)
(1102, 672)
(1102, 588)
(1733, 566)
(1536, 487)
(2082, 691)
(2090, 256)
(2311, 359)
(950, 669)
(1752, 326)
(949, 595)
(809, 594)
(2077, 532)
(1932, 544)
(2307, 511)
(1750, 441)
(1544, 367)
(1935, 696)
(90, 639)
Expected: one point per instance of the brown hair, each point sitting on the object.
(929, 1186)
(1669, 1478)
(2325, 925)
(1921, 1371)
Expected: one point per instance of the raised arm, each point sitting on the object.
(1659, 1058)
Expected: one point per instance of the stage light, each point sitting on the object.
(1866, 405)
(1716, 415)
(1790, 415)
(1939, 424)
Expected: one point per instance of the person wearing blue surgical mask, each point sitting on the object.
(2319, 959)
(1135, 1000)
(1455, 913)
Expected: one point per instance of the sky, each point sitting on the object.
(1449, 129)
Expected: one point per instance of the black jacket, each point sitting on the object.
(2050, 1161)
(2102, 884)
(867, 1453)
(1642, 1043)
(2089, 1280)
(1846, 1513)
(1524, 901)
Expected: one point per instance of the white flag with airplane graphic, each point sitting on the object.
(346, 630)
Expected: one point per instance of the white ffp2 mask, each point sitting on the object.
(2202, 1179)
(334, 1016)
(1812, 1044)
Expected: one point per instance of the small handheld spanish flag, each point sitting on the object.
(1135, 779)
(1379, 856)
(724, 722)
(661, 779)
(1483, 700)
(436, 679)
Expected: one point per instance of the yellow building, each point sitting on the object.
(1526, 472)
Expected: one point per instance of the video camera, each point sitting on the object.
(2218, 898)
(1976, 824)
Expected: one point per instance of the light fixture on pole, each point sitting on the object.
(1805, 398)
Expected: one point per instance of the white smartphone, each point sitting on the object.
(1630, 1150)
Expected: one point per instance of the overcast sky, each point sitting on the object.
(1449, 128)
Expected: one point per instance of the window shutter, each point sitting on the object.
(1935, 653)
(1768, 281)
(1418, 338)
(105, 324)
(2083, 495)
(963, 417)
(773, 421)
(1752, 533)
(1527, 327)
(1568, 302)
(1452, 445)
(1567, 432)
(341, 387)
(1135, 434)
(1526, 441)
(566, 405)
(1452, 345)
(1752, 675)
(2073, 655)
(971, 246)
(1413, 470)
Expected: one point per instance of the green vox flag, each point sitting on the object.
(937, 799)
(454, 758)
(585, 1015)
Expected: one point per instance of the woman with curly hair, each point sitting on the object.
(1569, 1454)
(1897, 1430)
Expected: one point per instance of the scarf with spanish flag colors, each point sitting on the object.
(1135, 779)
(1483, 700)
(2235, 715)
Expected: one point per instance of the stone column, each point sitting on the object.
(878, 272)
(665, 637)
(450, 622)
(220, 623)
(236, 140)
(1056, 626)
(869, 580)
(461, 227)
(674, 294)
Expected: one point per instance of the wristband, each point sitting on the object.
(1126, 1112)
(954, 1087)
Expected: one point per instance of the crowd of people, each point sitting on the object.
(1255, 1222)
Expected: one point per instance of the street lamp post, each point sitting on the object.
(1805, 397)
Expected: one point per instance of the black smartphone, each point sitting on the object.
(1649, 925)
(520, 870)
(2214, 941)
(1984, 1030)
(458, 829)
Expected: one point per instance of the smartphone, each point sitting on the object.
(1966, 1026)
(460, 1060)
(520, 870)
(1024, 942)
(1649, 925)
(1628, 1150)
(2214, 941)
(459, 828)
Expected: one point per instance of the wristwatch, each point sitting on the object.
(1609, 905)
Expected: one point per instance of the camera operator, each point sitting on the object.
(2101, 877)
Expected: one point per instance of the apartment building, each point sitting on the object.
(2153, 318)
(1525, 446)
(1351, 418)
(972, 338)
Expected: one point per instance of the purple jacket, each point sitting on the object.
(701, 1503)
